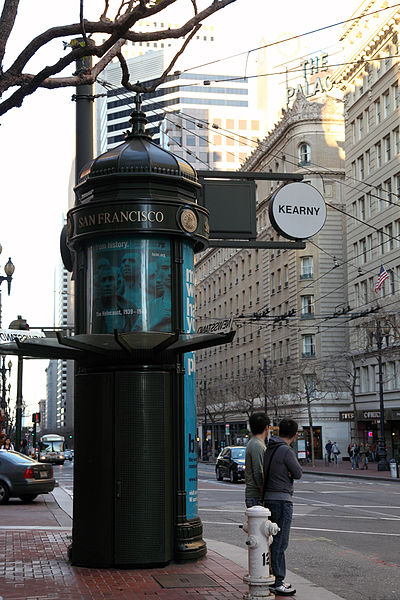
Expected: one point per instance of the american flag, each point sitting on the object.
(383, 274)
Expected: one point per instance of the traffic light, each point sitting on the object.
(36, 417)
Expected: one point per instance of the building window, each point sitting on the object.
(361, 167)
(308, 345)
(363, 251)
(304, 153)
(379, 193)
(378, 153)
(386, 144)
(307, 306)
(367, 121)
(360, 122)
(396, 97)
(386, 104)
(353, 132)
(306, 267)
(381, 242)
(357, 294)
(396, 140)
(370, 247)
(388, 191)
(389, 237)
(310, 385)
(378, 116)
(368, 162)
(361, 208)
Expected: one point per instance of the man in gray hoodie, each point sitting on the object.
(280, 469)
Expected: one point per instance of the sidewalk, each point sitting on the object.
(343, 469)
(34, 565)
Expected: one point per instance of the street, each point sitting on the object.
(345, 532)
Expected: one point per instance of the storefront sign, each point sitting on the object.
(223, 326)
(9, 335)
(346, 416)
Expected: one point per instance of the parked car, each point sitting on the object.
(230, 463)
(23, 477)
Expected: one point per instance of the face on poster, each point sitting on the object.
(129, 285)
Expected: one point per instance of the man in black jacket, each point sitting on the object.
(280, 469)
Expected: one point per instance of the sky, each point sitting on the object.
(38, 146)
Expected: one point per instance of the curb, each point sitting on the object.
(352, 476)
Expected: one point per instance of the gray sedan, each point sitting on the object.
(23, 477)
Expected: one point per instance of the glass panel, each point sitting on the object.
(129, 285)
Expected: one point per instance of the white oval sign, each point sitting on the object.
(297, 211)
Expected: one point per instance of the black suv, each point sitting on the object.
(230, 463)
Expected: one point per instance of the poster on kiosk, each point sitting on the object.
(189, 386)
(130, 287)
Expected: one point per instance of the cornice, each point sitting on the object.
(302, 110)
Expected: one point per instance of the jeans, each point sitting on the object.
(354, 461)
(253, 502)
(281, 514)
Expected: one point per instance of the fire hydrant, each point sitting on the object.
(259, 531)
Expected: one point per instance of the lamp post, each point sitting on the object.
(20, 324)
(4, 408)
(378, 332)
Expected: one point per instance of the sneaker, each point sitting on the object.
(284, 589)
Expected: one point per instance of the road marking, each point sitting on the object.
(347, 531)
(368, 506)
(224, 489)
(312, 529)
(312, 515)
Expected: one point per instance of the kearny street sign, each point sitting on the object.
(297, 211)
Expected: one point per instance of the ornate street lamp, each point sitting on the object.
(379, 332)
(9, 271)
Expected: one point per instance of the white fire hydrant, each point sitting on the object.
(259, 531)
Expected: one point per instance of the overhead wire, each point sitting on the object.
(239, 135)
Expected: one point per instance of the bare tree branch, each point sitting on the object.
(144, 89)
(118, 30)
(7, 21)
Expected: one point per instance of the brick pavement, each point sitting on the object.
(34, 566)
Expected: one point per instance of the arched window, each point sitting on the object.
(304, 154)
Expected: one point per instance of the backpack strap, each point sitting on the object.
(266, 474)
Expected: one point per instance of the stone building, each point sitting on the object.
(370, 84)
(281, 300)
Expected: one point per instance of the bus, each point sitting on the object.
(51, 449)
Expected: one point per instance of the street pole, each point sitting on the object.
(18, 410)
(382, 463)
(265, 386)
(3, 393)
(205, 453)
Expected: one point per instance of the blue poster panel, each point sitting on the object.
(129, 287)
(189, 386)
